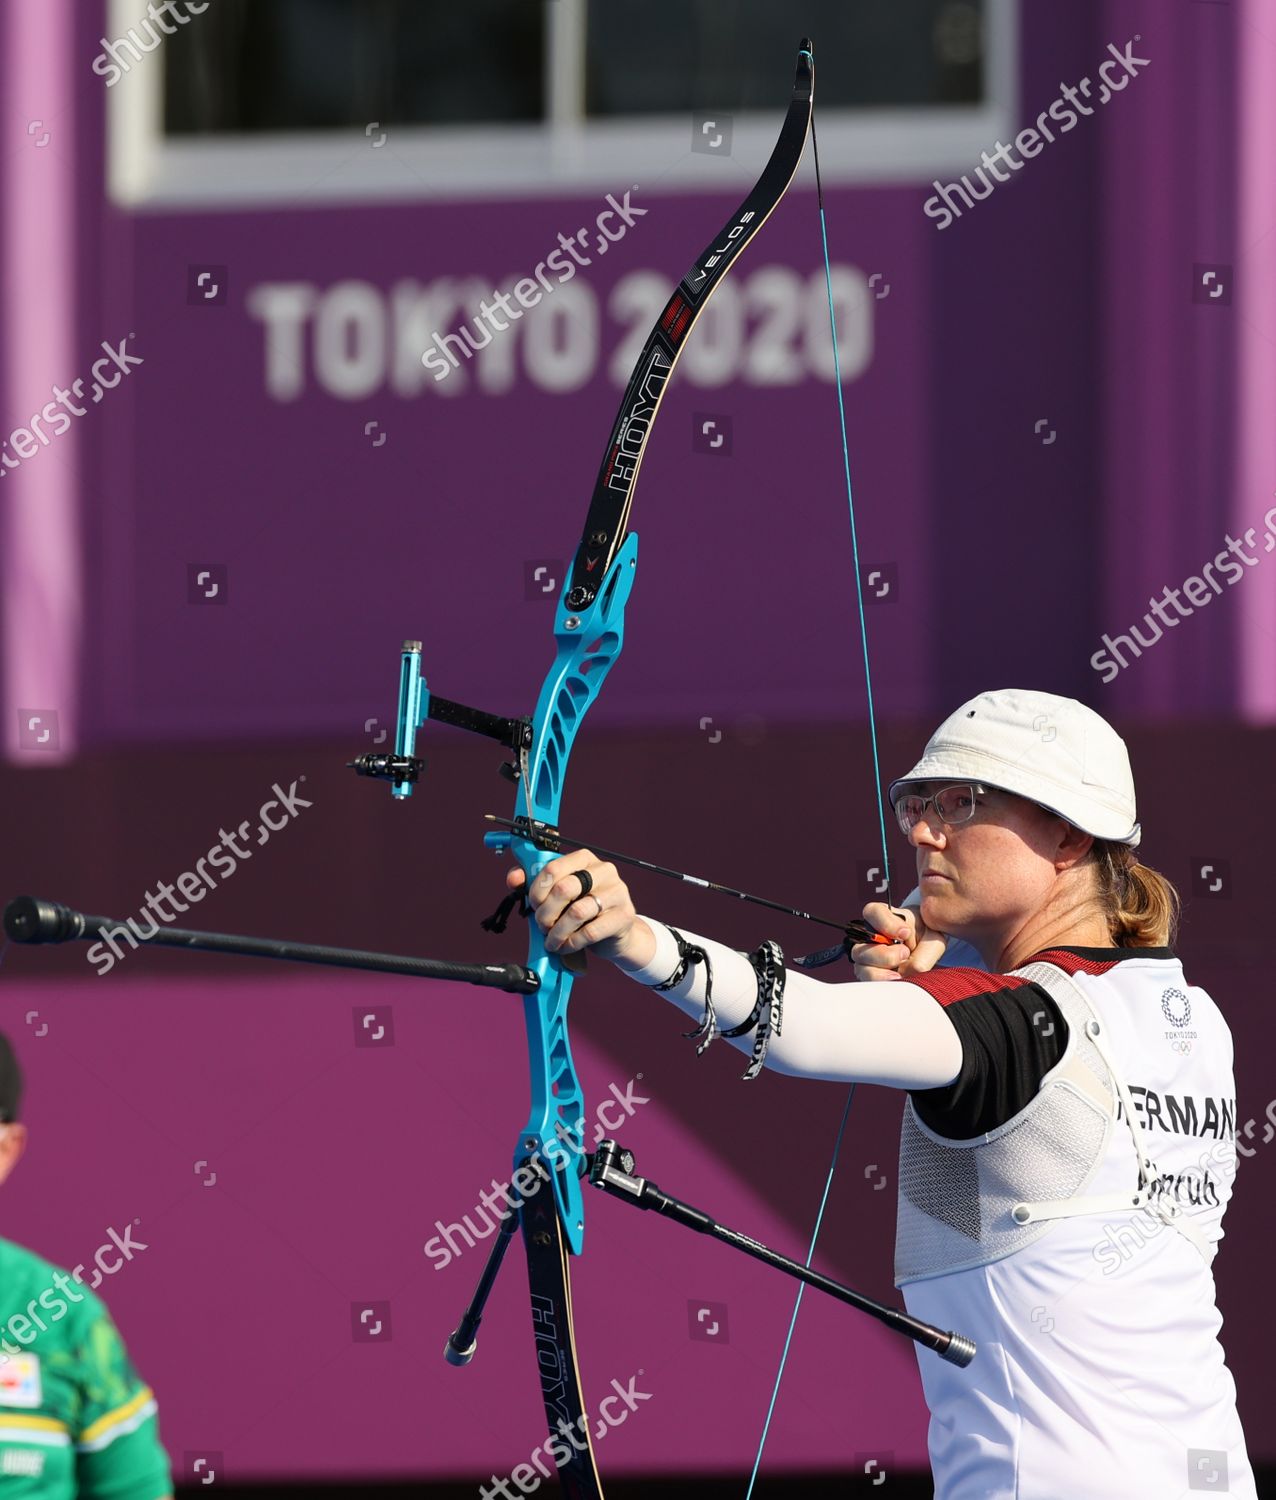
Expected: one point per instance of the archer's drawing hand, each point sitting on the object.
(604, 919)
(917, 947)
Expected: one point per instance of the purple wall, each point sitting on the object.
(1067, 297)
(338, 549)
(1056, 301)
(331, 1167)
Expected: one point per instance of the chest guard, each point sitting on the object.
(966, 1203)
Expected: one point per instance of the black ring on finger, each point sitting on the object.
(586, 884)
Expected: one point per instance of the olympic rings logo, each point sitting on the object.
(1167, 999)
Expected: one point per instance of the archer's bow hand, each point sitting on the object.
(917, 947)
(580, 902)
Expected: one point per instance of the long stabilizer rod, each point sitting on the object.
(30, 920)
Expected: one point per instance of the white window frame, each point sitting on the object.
(566, 154)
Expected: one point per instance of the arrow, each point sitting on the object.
(545, 837)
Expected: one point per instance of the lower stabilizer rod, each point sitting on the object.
(612, 1169)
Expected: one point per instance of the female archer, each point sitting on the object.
(1068, 1141)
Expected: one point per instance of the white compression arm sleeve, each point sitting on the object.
(892, 1033)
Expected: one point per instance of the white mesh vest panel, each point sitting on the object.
(956, 1197)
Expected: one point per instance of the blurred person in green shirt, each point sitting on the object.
(76, 1421)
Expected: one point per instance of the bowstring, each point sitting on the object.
(877, 783)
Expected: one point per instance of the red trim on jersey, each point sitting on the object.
(1073, 963)
(950, 985)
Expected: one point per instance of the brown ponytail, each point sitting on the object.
(1141, 906)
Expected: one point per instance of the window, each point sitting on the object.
(290, 101)
(668, 56)
(290, 65)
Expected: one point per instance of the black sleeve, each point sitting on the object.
(1012, 1033)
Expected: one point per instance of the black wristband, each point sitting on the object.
(767, 1013)
(688, 954)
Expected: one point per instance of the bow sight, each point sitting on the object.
(416, 705)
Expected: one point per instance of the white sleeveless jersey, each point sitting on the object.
(1099, 1373)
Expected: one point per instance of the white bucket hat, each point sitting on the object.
(1054, 751)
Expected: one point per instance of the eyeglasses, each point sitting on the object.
(953, 804)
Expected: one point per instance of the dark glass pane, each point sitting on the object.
(668, 56)
(277, 65)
